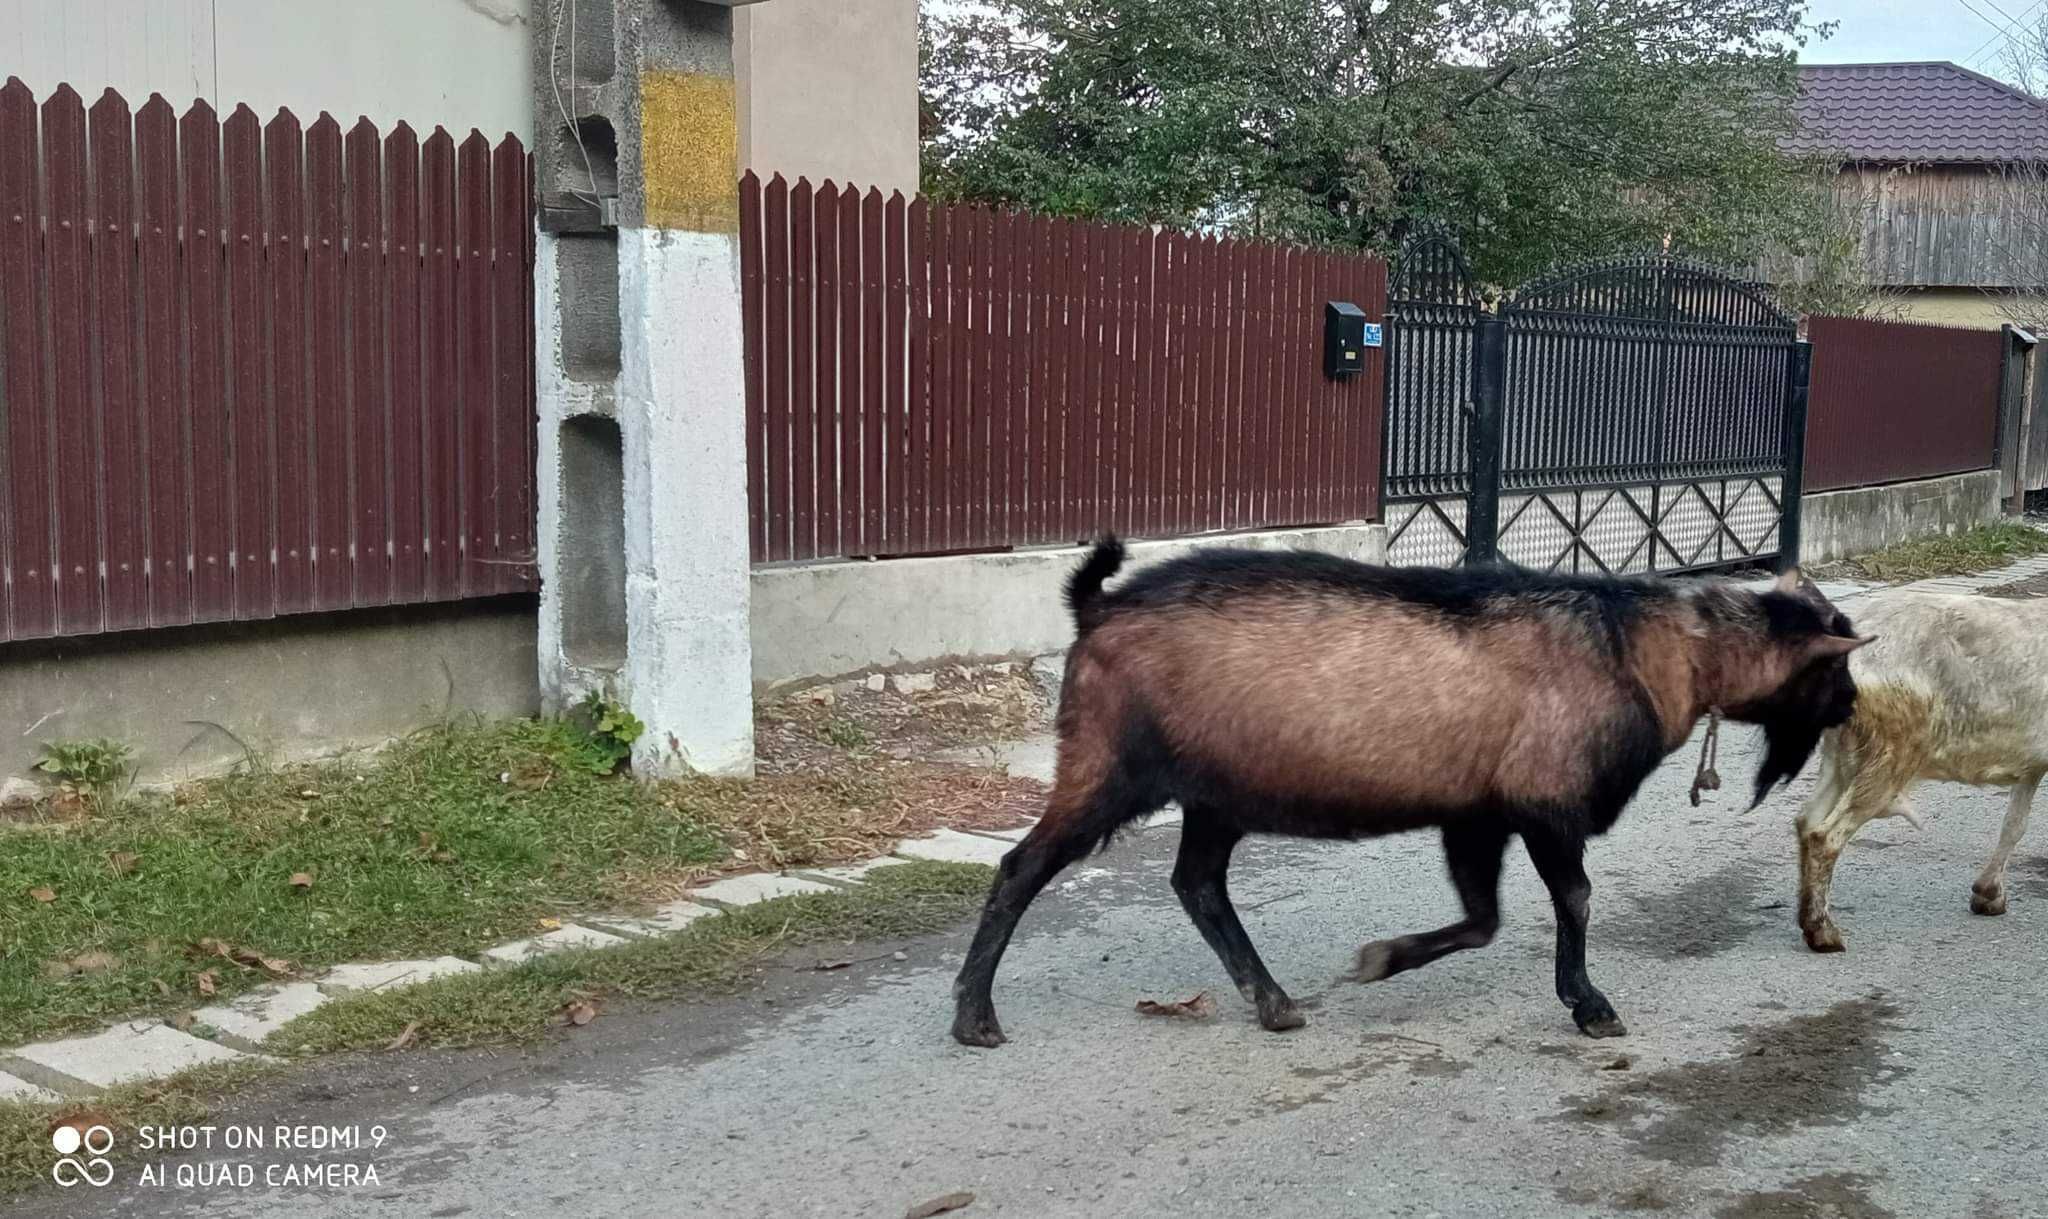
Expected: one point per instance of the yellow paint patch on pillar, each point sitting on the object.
(690, 151)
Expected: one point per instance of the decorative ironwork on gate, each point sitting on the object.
(1432, 310)
(1635, 415)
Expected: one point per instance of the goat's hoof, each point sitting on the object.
(1988, 904)
(1281, 1016)
(1375, 961)
(1596, 1018)
(980, 1032)
(1825, 937)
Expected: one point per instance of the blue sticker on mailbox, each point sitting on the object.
(1372, 334)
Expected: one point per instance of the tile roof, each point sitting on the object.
(1916, 112)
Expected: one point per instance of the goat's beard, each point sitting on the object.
(1788, 745)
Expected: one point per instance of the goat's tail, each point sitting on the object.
(1085, 585)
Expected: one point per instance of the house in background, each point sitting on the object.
(1925, 150)
(826, 88)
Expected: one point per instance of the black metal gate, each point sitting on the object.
(1644, 414)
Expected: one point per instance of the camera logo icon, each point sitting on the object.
(92, 1168)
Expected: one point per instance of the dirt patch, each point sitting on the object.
(1644, 1196)
(1832, 1195)
(1424, 1059)
(911, 715)
(1701, 918)
(2030, 589)
(1802, 1072)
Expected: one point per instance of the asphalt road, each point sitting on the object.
(1907, 1077)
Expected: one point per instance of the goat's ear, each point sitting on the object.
(1830, 646)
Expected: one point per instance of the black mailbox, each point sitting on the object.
(1346, 335)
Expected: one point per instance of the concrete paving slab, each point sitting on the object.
(1013, 835)
(952, 846)
(131, 1051)
(244, 1022)
(849, 874)
(758, 887)
(22, 1090)
(565, 938)
(666, 920)
(381, 975)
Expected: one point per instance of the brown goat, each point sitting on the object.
(1300, 694)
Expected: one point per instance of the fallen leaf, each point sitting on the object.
(94, 962)
(1201, 1007)
(939, 1205)
(43, 893)
(162, 987)
(405, 1036)
(247, 958)
(1620, 1064)
(122, 862)
(182, 1021)
(302, 880)
(206, 981)
(580, 1013)
(550, 924)
(825, 966)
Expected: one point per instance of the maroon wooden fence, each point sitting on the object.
(248, 370)
(925, 378)
(1892, 401)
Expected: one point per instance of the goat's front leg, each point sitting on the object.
(1559, 857)
(1987, 896)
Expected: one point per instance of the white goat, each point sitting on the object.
(1956, 690)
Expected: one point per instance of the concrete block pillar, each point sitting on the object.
(643, 497)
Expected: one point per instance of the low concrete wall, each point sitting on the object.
(1839, 524)
(293, 688)
(835, 619)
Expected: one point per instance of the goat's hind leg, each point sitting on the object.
(1199, 878)
(1092, 797)
(1987, 896)
(1474, 855)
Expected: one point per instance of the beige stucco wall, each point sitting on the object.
(828, 89)
(1952, 307)
(454, 63)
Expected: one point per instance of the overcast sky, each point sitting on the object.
(1874, 30)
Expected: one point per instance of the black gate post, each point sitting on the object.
(1798, 373)
(1489, 409)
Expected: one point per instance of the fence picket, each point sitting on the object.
(30, 590)
(776, 410)
(77, 487)
(851, 425)
(825, 206)
(112, 226)
(874, 407)
(407, 524)
(803, 516)
(164, 438)
(754, 330)
(917, 462)
(210, 427)
(512, 410)
(253, 471)
(477, 360)
(369, 408)
(328, 387)
(898, 450)
(286, 262)
(438, 356)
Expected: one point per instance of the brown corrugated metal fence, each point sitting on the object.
(925, 378)
(247, 370)
(1893, 401)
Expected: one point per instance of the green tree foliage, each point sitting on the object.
(1537, 130)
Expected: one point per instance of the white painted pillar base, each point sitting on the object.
(681, 409)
